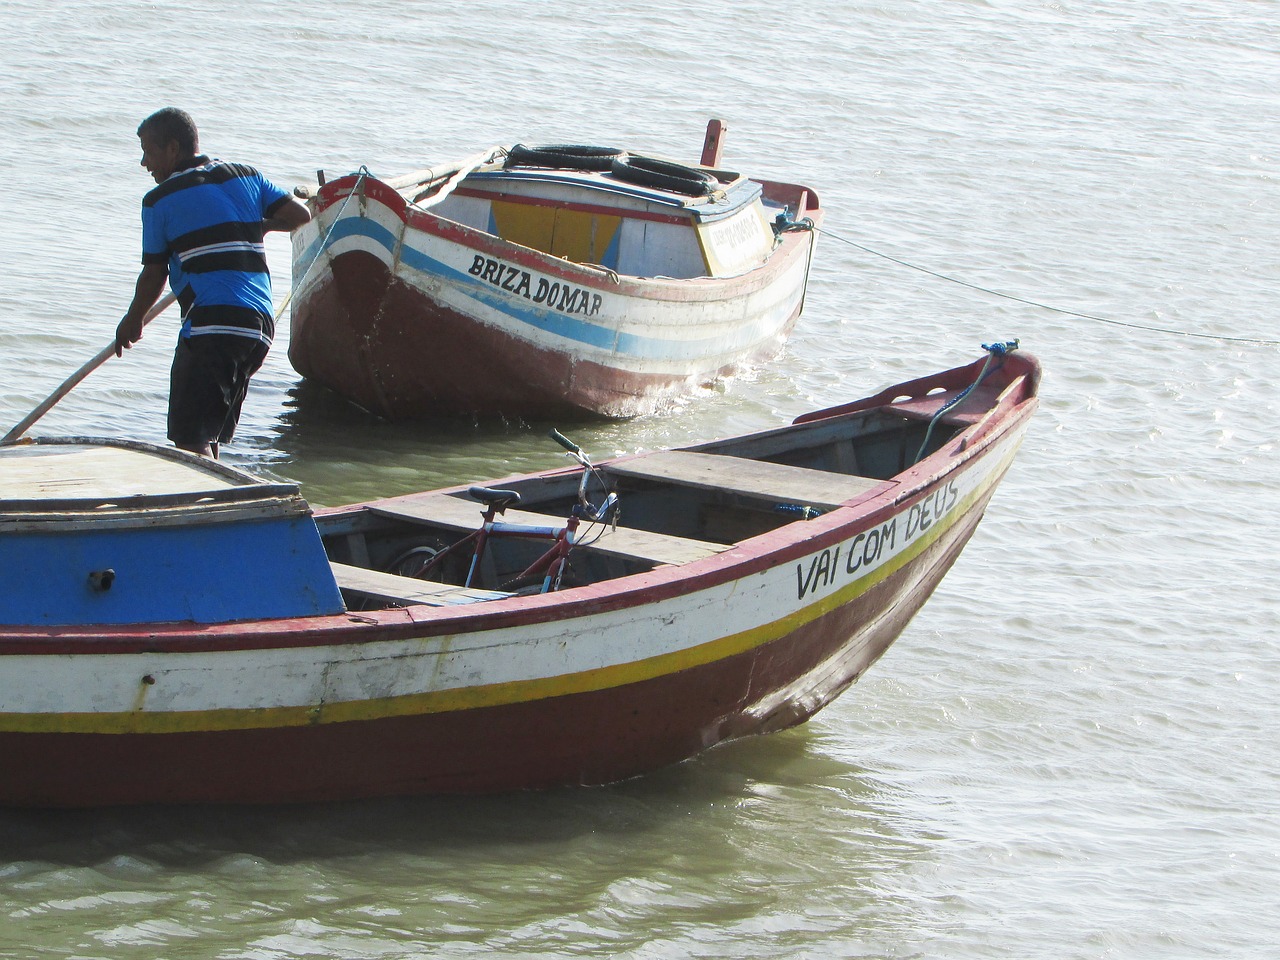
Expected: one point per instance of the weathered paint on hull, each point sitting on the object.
(394, 314)
(589, 736)
(594, 737)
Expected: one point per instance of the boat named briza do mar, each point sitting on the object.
(546, 281)
(176, 630)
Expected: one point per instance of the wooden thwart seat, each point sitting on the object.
(406, 590)
(456, 513)
(968, 411)
(752, 478)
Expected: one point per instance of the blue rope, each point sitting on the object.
(805, 512)
(993, 350)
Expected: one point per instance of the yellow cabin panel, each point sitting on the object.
(578, 236)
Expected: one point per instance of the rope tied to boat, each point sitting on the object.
(1046, 306)
(998, 349)
(783, 223)
(361, 175)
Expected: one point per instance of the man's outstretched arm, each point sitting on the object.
(150, 285)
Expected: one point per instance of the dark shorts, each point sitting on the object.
(207, 384)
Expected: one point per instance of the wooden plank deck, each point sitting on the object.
(94, 472)
(753, 478)
(406, 590)
(967, 412)
(458, 514)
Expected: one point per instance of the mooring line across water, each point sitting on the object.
(1044, 306)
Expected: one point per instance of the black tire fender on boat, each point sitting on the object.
(563, 156)
(665, 175)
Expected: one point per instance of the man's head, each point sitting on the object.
(169, 142)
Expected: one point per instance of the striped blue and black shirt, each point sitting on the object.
(205, 223)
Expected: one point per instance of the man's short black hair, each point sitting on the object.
(173, 124)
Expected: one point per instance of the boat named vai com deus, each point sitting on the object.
(546, 281)
(176, 630)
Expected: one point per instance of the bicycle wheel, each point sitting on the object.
(432, 561)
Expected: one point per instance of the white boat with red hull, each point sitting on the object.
(547, 281)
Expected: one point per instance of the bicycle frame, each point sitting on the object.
(551, 563)
(554, 561)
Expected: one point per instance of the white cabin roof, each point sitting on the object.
(89, 470)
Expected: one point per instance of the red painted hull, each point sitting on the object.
(442, 362)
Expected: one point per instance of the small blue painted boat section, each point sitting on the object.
(203, 573)
(103, 532)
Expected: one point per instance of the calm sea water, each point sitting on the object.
(1073, 752)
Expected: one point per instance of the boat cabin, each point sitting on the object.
(114, 532)
(593, 217)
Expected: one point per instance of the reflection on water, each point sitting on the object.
(705, 845)
(342, 454)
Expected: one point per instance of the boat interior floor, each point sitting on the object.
(388, 588)
(678, 506)
(457, 514)
(656, 548)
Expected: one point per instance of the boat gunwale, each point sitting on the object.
(721, 203)
(63, 516)
(710, 206)
(692, 290)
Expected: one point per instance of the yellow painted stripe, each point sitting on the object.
(489, 695)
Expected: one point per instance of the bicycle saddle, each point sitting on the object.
(494, 498)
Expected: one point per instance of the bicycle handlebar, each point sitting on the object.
(589, 511)
(564, 441)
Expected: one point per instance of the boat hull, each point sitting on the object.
(525, 692)
(409, 315)
(587, 738)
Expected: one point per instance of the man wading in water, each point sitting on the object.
(202, 230)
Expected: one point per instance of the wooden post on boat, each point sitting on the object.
(714, 143)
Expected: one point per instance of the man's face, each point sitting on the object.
(160, 159)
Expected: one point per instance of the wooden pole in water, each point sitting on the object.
(70, 383)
